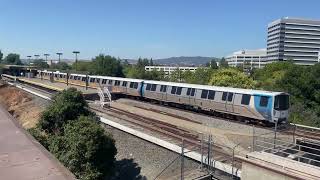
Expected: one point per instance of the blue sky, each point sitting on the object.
(142, 28)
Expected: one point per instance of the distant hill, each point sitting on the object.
(181, 61)
(184, 61)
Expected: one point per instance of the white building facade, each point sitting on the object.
(294, 39)
(252, 58)
(169, 69)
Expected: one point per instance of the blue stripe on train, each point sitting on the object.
(266, 112)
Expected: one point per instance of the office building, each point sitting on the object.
(248, 58)
(294, 39)
(169, 69)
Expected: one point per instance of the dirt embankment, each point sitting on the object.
(21, 105)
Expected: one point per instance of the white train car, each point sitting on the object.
(242, 103)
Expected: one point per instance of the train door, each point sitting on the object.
(228, 96)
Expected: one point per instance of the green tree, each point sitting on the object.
(40, 63)
(12, 59)
(212, 64)
(85, 149)
(1, 56)
(231, 77)
(66, 106)
(106, 66)
(83, 66)
(61, 66)
(223, 63)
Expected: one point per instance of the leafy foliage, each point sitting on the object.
(85, 149)
(106, 66)
(12, 59)
(1, 56)
(40, 136)
(223, 63)
(60, 66)
(231, 77)
(67, 105)
(40, 63)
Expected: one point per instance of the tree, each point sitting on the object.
(83, 66)
(67, 105)
(1, 56)
(12, 59)
(106, 66)
(223, 63)
(61, 66)
(85, 149)
(40, 63)
(231, 77)
(212, 64)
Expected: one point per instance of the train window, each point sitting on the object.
(110, 82)
(75, 77)
(188, 91)
(56, 75)
(135, 85)
(163, 88)
(79, 78)
(124, 83)
(153, 87)
(230, 96)
(117, 83)
(204, 94)
(148, 87)
(104, 81)
(224, 96)
(60, 75)
(92, 79)
(179, 89)
(83, 79)
(264, 101)
(131, 84)
(173, 90)
(98, 80)
(245, 99)
(211, 94)
(193, 90)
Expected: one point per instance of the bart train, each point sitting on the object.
(242, 104)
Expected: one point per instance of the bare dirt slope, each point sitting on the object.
(21, 105)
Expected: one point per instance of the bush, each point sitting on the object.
(85, 149)
(230, 77)
(40, 136)
(66, 106)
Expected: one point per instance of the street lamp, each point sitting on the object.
(46, 55)
(59, 54)
(29, 58)
(37, 56)
(76, 53)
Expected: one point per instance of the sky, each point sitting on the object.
(142, 28)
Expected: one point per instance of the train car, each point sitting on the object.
(250, 104)
(242, 103)
(60, 77)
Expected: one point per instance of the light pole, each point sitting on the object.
(29, 58)
(46, 55)
(76, 53)
(59, 54)
(37, 56)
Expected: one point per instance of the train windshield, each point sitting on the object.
(281, 102)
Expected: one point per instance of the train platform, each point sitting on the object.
(22, 157)
(56, 86)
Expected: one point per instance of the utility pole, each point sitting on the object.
(59, 54)
(37, 56)
(76, 53)
(29, 59)
(182, 160)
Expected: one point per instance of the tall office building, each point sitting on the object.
(294, 39)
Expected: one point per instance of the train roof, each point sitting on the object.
(215, 88)
(118, 78)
